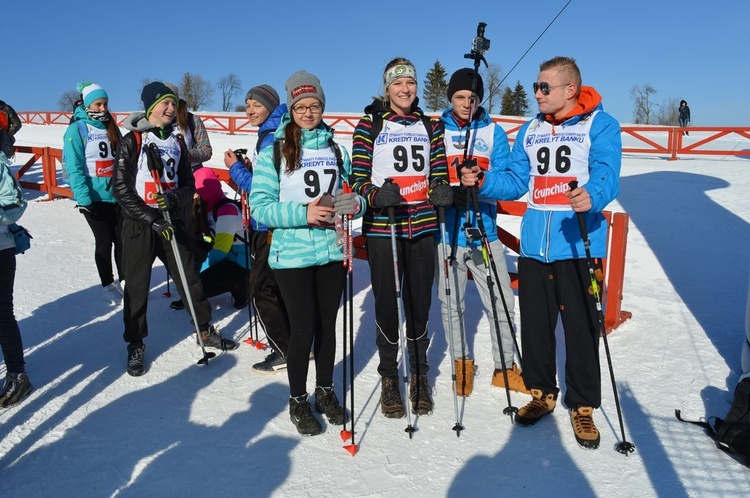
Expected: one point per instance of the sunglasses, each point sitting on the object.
(545, 87)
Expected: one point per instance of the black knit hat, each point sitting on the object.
(461, 80)
(153, 93)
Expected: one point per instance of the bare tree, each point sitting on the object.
(196, 91)
(493, 91)
(229, 85)
(643, 106)
(68, 100)
(668, 113)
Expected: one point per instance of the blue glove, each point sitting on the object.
(163, 228)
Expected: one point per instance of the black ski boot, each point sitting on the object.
(328, 404)
(136, 362)
(301, 415)
(419, 391)
(391, 403)
(213, 339)
(15, 389)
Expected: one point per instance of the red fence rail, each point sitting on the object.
(654, 140)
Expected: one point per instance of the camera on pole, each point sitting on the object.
(479, 46)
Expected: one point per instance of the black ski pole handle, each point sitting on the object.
(581, 220)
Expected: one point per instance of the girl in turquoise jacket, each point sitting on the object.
(292, 194)
(88, 158)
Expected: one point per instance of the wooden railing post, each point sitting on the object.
(618, 241)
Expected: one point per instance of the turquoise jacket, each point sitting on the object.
(295, 244)
(86, 189)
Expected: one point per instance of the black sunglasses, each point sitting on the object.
(545, 87)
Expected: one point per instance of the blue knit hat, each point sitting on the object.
(90, 92)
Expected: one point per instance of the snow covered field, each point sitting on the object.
(221, 430)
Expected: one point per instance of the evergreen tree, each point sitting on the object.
(520, 102)
(435, 88)
(506, 104)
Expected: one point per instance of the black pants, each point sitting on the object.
(416, 265)
(10, 335)
(545, 291)
(314, 295)
(106, 223)
(225, 276)
(266, 296)
(141, 245)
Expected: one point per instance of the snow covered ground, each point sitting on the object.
(221, 430)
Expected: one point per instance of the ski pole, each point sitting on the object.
(402, 333)
(625, 447)
(489, 264)
(168, 293)
(246, 228)
(180, 268)
(348, 296)
(446, 266)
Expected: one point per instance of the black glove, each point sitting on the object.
(441, 195)
(166, 201)
(459, 197)
(389, 195)
(163, 228)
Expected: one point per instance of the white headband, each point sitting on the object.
(399, 71)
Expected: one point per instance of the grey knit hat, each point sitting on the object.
(266, 95)
(301, 85)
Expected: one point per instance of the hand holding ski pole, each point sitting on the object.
(580, 200)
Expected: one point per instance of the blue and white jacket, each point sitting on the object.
(489, 145)
(295, 244)
(552, 233)
(239, 173)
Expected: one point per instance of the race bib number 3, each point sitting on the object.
(550, 190)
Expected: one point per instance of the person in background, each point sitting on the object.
(684, 111)
(193, 130)
(288, 188)
(152, 145)
(9, 126)
(264, 111)
(489, 147)
(406, 147)
(89, 148)
(17, 386)
(224, 269)
(571, 139)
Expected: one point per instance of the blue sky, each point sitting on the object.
(689, 49)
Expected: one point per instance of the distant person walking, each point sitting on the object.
(684, 116)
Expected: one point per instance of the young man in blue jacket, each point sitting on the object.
(571, 138)
(488, 145)
(264, 111)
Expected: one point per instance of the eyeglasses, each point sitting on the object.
(546, 88)
(302, 109)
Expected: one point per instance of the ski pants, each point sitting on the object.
(106, 224)
(266, 296)
(141, 245)
(416, 270)
(10, 334)
(314, 293)
(225, 276)
(471, 260)
(549, 290)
